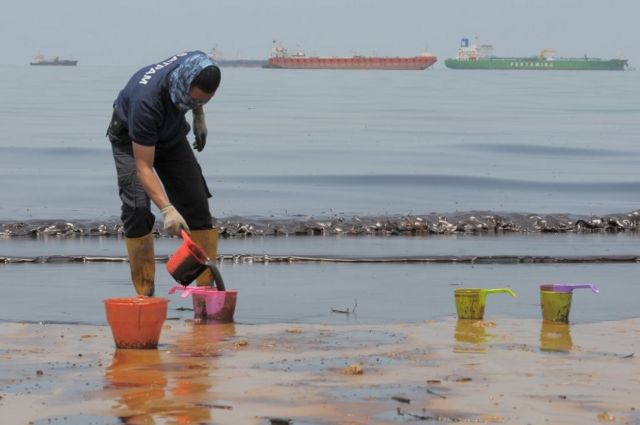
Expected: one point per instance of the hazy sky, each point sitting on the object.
(137, 32)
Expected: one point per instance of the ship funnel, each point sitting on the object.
(464, 42)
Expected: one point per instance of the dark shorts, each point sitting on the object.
(180, 174)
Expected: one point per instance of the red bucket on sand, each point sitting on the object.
(190, 261)
(209, 304)
(136, 322)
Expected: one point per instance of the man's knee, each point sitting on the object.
(137, 222)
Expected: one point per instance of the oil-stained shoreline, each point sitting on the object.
(296, 259)
(432, 223)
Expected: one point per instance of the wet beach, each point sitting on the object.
(329, 334)
(503, 370)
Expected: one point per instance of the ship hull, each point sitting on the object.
(241, 63)
(382, 63)
(537, 64)
(55, 63)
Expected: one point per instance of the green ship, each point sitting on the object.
(480, 56)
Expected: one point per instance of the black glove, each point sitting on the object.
(199, 131)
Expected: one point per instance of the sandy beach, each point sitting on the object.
(519, 371)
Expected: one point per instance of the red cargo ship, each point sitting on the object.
(281, 58)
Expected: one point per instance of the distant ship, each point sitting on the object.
(281, 58)
(40, 60)
(236, 63)
(481, 57)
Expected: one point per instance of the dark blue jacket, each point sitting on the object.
(145, 108)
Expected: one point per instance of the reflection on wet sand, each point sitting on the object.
(173, 384)
(555, 337)
(140, 382)
(471, 336)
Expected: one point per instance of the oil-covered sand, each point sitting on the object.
(500, 371)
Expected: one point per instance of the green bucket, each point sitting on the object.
(470, 302)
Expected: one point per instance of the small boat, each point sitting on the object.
(41, 60)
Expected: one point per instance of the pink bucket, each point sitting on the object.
(209, 304)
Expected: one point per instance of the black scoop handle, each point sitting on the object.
(217, 277)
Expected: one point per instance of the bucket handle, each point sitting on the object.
(591, 286)
(499, 291)
(185, 290)
(569, 287)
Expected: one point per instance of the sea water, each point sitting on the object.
(287, 143)
(302, 148)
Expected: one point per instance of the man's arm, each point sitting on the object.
(144, 156)
(199, 128)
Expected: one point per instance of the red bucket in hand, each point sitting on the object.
(189, 261)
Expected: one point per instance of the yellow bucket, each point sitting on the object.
(555, 300)
(555, 306)
(470, 302)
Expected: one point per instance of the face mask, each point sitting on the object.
(181, 78)
(186, 103)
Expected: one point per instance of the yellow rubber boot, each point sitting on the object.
(207, 240)
(142, 262)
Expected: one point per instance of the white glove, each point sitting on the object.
(173, 221)
(199, 131)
